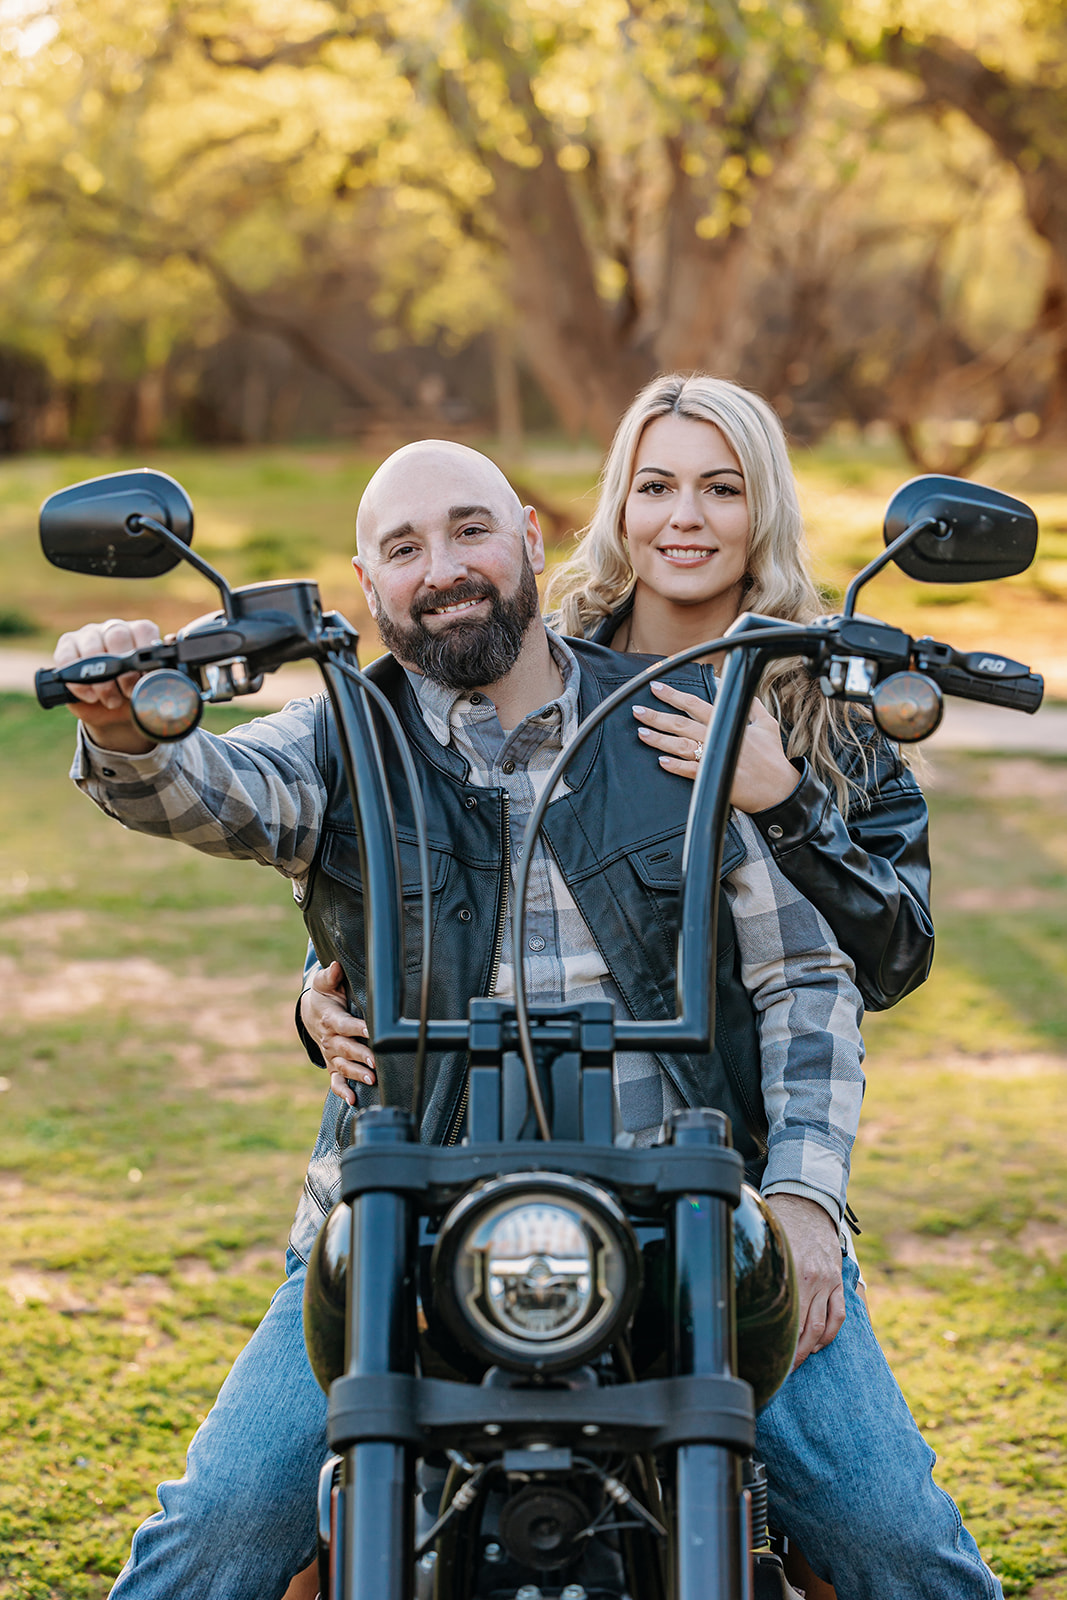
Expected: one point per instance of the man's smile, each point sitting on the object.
(456, 610)
(457, 606)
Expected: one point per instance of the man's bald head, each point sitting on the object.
(453, 474)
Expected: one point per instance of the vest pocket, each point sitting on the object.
(340, 862)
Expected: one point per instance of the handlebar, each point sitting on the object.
(51, 689)
(994, 680)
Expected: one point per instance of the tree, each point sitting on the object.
(595, 174)
(1018, 103)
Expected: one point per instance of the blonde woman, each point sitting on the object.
(697, 521)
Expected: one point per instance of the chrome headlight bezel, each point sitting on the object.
(472, 1305)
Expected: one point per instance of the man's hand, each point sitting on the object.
(105, 707)
(324, 1013)
(816, 1247)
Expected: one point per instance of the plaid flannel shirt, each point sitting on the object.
(256, 793)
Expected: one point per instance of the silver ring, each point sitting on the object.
(698, 749)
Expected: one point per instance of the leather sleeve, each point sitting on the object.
(869, 877)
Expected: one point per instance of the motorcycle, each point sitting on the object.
(544, 1353)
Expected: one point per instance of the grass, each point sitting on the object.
(157, 1114)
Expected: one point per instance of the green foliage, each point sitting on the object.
(15, 624)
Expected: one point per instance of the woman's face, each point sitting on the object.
(686, 516)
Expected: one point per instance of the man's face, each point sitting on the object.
(449, 569)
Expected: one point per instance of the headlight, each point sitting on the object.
(536, 1270)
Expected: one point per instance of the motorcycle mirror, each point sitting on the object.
(93, 527)
(981, 533)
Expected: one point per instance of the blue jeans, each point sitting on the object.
(849, 1477)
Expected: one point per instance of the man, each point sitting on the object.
(448, 557)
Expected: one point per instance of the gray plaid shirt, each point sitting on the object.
(256, 793)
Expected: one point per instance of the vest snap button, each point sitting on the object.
(470, 802)
(463, 914)
(775, 831)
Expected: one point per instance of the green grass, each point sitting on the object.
(158, 1115)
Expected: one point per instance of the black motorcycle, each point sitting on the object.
(544, 1353)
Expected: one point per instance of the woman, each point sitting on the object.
(698, 520)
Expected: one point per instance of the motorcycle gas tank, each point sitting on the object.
(767, 1305)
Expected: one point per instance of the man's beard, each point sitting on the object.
(465, 655)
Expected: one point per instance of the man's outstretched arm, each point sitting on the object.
(253, 794)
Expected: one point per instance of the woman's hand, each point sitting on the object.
(324, 1013)
(765, 776)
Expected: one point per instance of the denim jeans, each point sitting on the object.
(849, 1476)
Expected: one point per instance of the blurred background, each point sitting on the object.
(260, 243)
(259, 223)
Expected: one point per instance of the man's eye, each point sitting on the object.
(399, 551)
(472, 531)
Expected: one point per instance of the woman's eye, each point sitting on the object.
(724, 491)
(653, 488)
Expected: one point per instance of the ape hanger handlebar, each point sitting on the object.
(953, 531)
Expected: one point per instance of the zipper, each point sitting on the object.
(494, 969)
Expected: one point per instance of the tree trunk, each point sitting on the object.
(1025, 122)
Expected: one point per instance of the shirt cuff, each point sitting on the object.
(787, 1186)
(795, 819)
(91, 760)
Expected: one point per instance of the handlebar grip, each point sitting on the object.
(1018, 694)
(51, 690)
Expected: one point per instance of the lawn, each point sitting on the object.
(157, 1114)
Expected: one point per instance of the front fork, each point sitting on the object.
(373, 1508)
(713, 1522)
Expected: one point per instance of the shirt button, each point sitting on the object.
(537, 943)
(463, 914)
(775, 831)
(109, 772)
(509, 767)
(476, 699)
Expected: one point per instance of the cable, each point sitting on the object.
(422, 844)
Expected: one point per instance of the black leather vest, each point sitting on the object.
(617, 835)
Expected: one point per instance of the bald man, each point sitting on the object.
(488, 697)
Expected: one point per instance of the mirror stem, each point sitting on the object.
(139, 524)
(883, 560)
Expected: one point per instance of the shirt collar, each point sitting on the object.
(441, 707)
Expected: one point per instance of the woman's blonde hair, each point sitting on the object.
(598, 577)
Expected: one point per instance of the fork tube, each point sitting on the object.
(379, 1476)
(709, 1558)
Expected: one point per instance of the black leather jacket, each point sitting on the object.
(869, 876)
